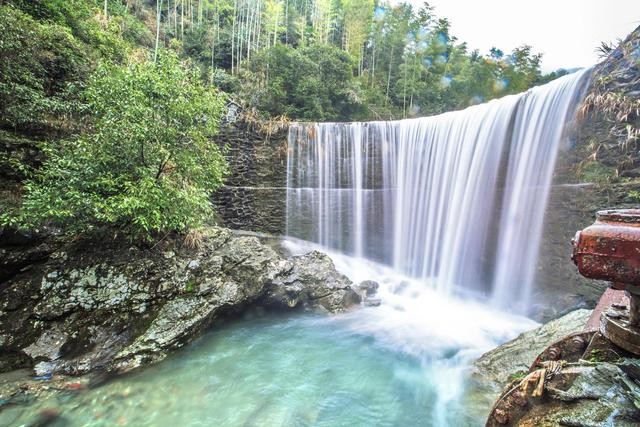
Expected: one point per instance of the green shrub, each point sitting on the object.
(597, 173)
(634, 195)
(40, 66)
(148, 166)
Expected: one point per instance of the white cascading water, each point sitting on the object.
(455, 200)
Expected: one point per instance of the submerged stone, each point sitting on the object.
(372, 301)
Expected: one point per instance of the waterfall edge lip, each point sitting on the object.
(581, 70)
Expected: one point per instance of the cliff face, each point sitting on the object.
(598, 169)
(608, 122)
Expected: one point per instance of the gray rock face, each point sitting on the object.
(19, 250)
(115, 308)
(603, 394)
(312, 279)
(493, 371)
(493, 368)
(368, 288)
(367, 291)
(581, 394)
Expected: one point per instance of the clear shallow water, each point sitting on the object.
(401, 364)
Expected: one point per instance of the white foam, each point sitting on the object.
(419, 320)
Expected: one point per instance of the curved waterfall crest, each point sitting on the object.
(456, 199)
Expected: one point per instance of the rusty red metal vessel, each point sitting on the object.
(609, 249)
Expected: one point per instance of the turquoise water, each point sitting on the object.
(404, 363)
(296, 370)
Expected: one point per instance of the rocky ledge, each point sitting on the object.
(560, 374)
(494, 369)
(111, 307)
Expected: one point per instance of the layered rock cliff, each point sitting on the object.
(101, 304)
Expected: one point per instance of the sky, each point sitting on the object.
(567, 32)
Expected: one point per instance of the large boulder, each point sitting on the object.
(109, 306)
(496, 369)
(493, 369)
(313, 279)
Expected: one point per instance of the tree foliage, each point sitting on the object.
(394, 60)
(130, 146)
(398, 61)
(40, 67)
(47, 50)
(149, 164)
(310, 83)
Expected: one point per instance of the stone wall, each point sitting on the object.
(254, 195)
(252, 208)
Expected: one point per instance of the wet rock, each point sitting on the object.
(493, 369)
(579, 394)
(599, 395)
(367, 290)
(106, 306)
(368, 287)
(312, 280)
(43, 370)
(46, 417)
(372, 301)
(48, 345)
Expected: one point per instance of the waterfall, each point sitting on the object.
(456, 200)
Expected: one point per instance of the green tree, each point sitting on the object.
(311, 83)
(357, 22)
(149, 165)
(524, 68)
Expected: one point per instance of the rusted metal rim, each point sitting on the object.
(629, 216)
